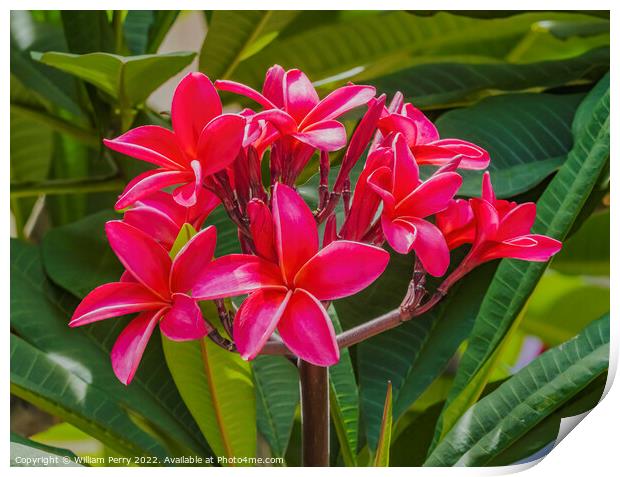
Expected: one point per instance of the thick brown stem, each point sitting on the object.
(314, 414)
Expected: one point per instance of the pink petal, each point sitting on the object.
(194, 104)
(329, 275)
(281, 120)
(307, 330)
(380, 181)
(154, 221)
(243, 90)
(339, 102)
(431, 197)
(399, 234)
(405, 170)
(131, 343)
(183, 322)
(425, 129)
(192, 259)
(257, 319)
(235, 274)
(324, 135)
(487, 220)
(273, 87)
(429, 246)
(147, 261)
(299, 94)
(444, 150)
(149, 182)
(534, 248)
(457, 223)
(518, 221)
(297, 238)
(220, 142)
(261, 228)
(114, 299)
(152, 144)
(488, 193)
(187, 195)
(401, 124)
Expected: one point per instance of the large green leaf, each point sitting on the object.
(87, 31)
(144, 30)
(77, 256)
(344, 400)
(276, 382)
(444, 83)
(68, 373)
(128, 79)
(527, 135)
(235, 35)
(501, 418)
(587, 251)
(515, 280)
(375, 44)
(27, 453)
(414, 354)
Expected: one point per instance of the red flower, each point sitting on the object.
(203, 142)
(155, 286)
(288, 280)
(407, 202)
(423, 140)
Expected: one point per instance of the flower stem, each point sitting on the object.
(314, 414)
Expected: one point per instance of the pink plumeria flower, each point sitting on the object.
(157, 288)
(203, 141)
(496, 229)
(423, 140)
(288, 280)
(293, 106)
(407, 202)
(161, 217)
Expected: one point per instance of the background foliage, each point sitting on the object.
(469, 385)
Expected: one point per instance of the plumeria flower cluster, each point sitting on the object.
(286, 271)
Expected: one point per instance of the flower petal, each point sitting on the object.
(281, 120)
(431, 197)
(243, 90)
(114, 299)
(324, 135)
(273, 87)
(457, 224)
(429, 246)
(444, 150)
(425, 129)
(488, 193)
(307, 331)
(154, 220)
(518, 221)
(257, 319)
(329, 274)
(406, 174)
(399, 123)
(297, 238)
(184, 321)
(194, 104)
(534, 248)
(148, 182)
(380, 181)
(192, 259)
(339, 102)
(261, 228)
(147, 261)
(236, 274)
(220, 142)
(153, 144)
(399, 234)
(187, 195)
(131, 343)
(487, 220)
(299, 94)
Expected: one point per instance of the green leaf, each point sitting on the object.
(587, 251)
(236, 35)
(371, 45)
(382, 457)
(128, 79)
(412, 355)
(561, 306)
(344, 400)
(442, 84)
(87, 30)
(67, 371)
(527, 135)
(501, 418)
(276, 382)
(515, 280)
(77, 256)
(144, 30)
(27, 453)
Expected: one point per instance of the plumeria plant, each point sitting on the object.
(288, 272)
